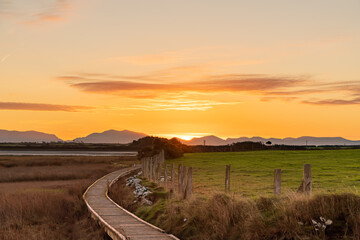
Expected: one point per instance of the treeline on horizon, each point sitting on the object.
(173, 148)
(149, 146)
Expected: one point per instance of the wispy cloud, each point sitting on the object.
(35, 13)
(42, 107)
(179, 105)
(217, 83)
(334, 102)
(158, 85)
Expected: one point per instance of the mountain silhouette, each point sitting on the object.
(300, 141)
(111, 136)
(126, 136)
(27, 136)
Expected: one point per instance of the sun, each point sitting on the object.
(181, 136)
(184, 137)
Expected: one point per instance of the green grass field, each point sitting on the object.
(333, 171)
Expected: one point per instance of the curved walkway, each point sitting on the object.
(118, 222)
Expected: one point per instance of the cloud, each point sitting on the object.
(285, 99)
(178, 80)
(35, 13)
(179, 104)
(42, 107)
(217, 83)
(334, 102)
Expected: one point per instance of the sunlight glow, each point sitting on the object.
(188, 136)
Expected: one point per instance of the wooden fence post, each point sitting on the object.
(165, 176)
(144, 166)
(227, 179)
(179, 178)
(307, 179)
(150, 168)
(183, 182)
(172, 177)
(147, 167)
(156, 168)
(188, 192)
(158, 171)
(153, 163)
(277, 181)
(148, 160)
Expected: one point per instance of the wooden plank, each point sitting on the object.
(118, 222)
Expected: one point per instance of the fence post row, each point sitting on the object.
(277, 181)
(152, 166)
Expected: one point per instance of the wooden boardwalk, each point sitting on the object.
(118, 222)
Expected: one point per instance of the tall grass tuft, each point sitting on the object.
(227, 217)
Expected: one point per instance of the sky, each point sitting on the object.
(181, 68)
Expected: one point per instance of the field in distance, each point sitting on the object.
(252, 173)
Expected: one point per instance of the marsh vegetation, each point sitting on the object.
(41, 196)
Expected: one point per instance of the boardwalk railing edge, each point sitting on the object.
(108, 228)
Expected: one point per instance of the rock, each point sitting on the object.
(140, 191)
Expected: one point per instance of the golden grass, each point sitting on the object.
(41, 197)
(47, 215)
(226, 217)
(49, 168)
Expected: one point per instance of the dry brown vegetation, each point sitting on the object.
(123, 195)
(43, 168)
(230, 217)
(40, 208)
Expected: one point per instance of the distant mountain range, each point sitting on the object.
(111, 136)
(28, 136)
(301, 141)
(126, 136)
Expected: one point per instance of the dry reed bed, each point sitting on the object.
(47, 215)
(51, 173)
(29, 161)
(50, 168)
(54, 209)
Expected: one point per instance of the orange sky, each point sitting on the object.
(181, 68)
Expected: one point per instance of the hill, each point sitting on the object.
(111, 136)
(207, 140)
(301, 141)
(27, 136)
